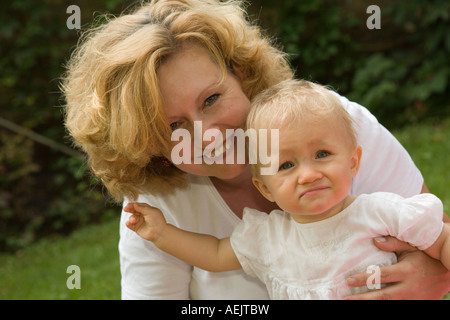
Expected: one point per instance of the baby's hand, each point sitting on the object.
(146, 221)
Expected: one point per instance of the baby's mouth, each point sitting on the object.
(312, 191)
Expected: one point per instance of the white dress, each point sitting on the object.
(312, 261)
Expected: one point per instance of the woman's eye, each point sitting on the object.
(322, 154)
(286, 166)
(211, 99)
(174, 126)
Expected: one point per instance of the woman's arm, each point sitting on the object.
(201, 250)
(415, 276)
(148, 273)
(441, 248)
(443, 243)
(445, 218)
(386, 166)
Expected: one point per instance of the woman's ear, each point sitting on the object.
(356, 159)
(259, 184)
(237, 71)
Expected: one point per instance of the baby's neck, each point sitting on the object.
(331, 212)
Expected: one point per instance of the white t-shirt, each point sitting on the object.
(148, 273)
(312, 261)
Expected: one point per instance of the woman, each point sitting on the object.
(171, 65)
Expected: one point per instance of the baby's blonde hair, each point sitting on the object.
(114, 108)
(285, 104)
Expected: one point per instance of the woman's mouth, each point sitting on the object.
(215, 153)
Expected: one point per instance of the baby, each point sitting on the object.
(323, 234)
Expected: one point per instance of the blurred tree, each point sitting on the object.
(42, 190)
(400, 72)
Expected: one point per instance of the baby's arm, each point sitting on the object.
(440, 249)
(201, 250)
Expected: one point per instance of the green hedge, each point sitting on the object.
(42, 190)
(400, 72)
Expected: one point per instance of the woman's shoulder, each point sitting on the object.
(385, 164)
(197, 186)
(198, 207)
(357, 111)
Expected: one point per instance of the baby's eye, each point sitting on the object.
(322, 154)
(286, 166)
(211, 99)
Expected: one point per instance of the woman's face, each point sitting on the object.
(196, 100)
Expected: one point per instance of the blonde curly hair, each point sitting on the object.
(114, 109)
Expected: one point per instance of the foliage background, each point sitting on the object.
(400, 72)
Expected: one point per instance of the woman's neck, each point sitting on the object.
(239, 192)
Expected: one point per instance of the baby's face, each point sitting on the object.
(316, 165)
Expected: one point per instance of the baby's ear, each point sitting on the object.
(356, 159)
(259, 184)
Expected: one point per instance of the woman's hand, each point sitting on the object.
(146, 221)
(415, 276)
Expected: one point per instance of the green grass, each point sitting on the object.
(429, 146)
(39, 271)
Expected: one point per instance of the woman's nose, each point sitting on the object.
(206, 134)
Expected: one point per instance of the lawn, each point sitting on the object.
(40, 271)
(429, 146)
